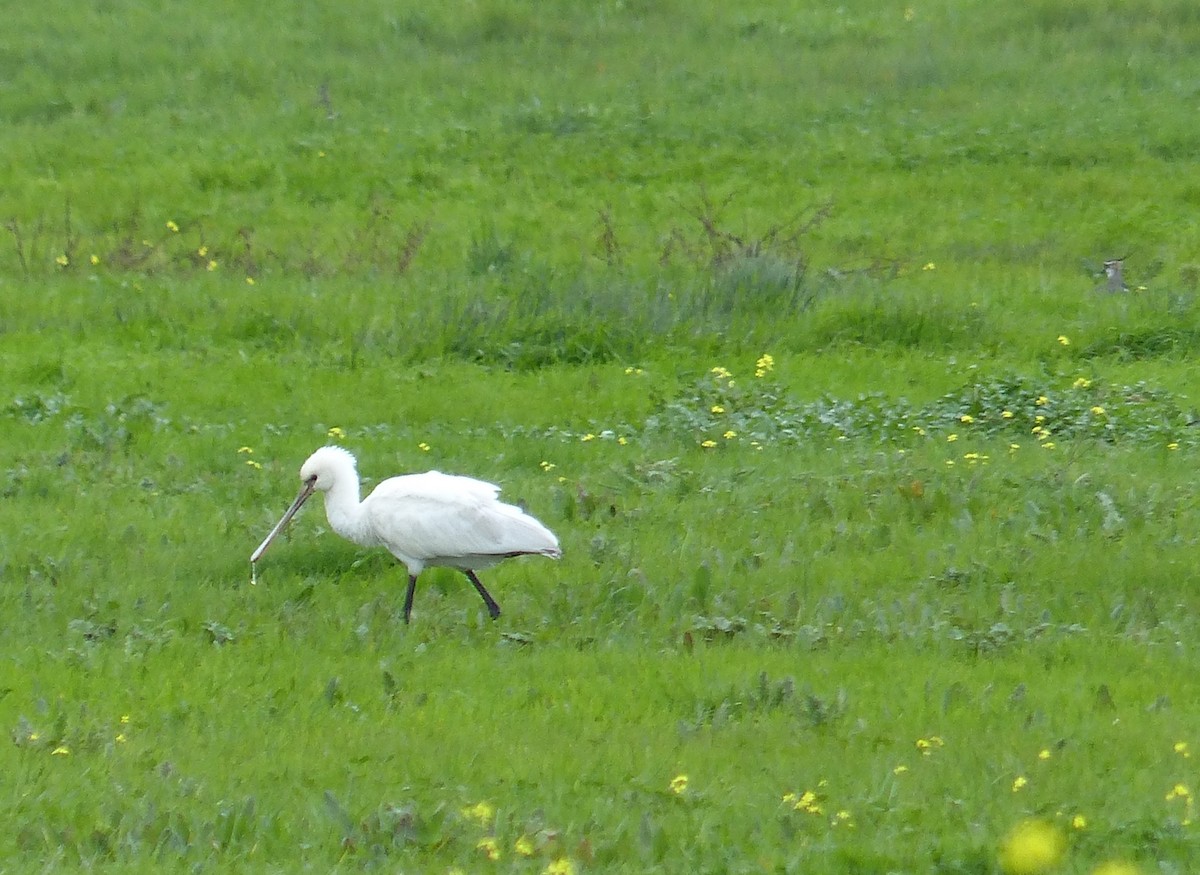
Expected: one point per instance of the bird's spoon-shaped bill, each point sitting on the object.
(305, 492)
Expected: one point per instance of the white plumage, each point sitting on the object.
(430, 519)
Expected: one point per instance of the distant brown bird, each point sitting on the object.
(1113, 271)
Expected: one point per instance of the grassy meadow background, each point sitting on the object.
(879, 520)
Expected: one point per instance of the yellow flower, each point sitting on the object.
(212, 264)
(245, 450)
(1048, 445)
(1173, 445)
(929, 265)
(253, 464)
(524, 846)
(172, 227)
(1041, 400)
(1033, 846)
(842, 817)
(249, 280)
(202, 251)
(480, 812)
(120, 739)
(1006, 414)
(1098, 410)
(622, 440)
(952, 438)
(1012, 448)
(717, 408)
(423, 447)
(61, 751)
(764, 365)
(635, 372)
(720, 373)
(1179, 791)
(561, 866)
(124, 719)
(1082, 383)
(808, 803)
(490, 848)
(679, 784)
(588, 437)
(729, 435)
(1044, 753)
(966, 418)
(95, 259)
(548, 466)
(1064, 340)
(1181, 748)
(900, 770)
(708, 445)
(1019, 783)
(62, 260)
(1078, 822)
(336, 433)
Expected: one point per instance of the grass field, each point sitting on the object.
(878, 517)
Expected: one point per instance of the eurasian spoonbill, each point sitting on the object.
(423, 520)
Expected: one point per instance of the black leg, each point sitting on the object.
(493, 608)
(408, 597)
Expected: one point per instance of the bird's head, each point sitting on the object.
(325, 467)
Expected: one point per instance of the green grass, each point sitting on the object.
(925, 577)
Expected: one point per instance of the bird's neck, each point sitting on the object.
(345, 512)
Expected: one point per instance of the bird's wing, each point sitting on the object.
(437, 518)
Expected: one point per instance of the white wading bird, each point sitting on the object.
(423, 519)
